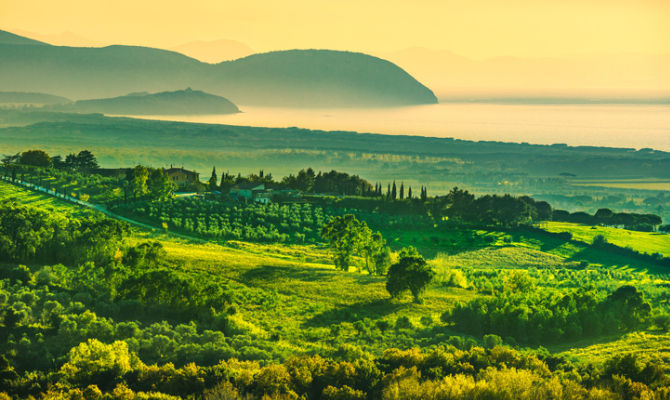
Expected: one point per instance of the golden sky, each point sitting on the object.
(472, 28)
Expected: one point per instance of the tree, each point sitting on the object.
(57, 162)
(460, 203)
(603, 216)
(138, 181)
(402, 190)
(37, 158)
(411, 273)
(630, 306)
(93, 362)
(424, 194)
(227, 181)
(599, 241)
(394, 194)
(86, 161)
(346, 236)
(519, 282)
(71, 161)
(409, 193)
(159, 185)
(377, 254)
(213, 180)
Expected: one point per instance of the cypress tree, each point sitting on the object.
(213, 179)
(409, 193)
(402, 190)
(393, 191)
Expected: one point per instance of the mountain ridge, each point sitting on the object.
(290, 78)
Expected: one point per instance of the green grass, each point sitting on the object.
(10, 192)
(295, 290)
(646, 242)
(521, 249)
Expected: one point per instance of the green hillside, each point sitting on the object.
(646, 242)
(10, 38)
(179, 102)
(304, 78)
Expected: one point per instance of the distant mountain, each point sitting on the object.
(182, 102)
(295, 78)
(10, 38)
(23, 98)
(215, 51)
(319, 77)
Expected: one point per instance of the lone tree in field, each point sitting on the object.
(410, 273)
(346, 236)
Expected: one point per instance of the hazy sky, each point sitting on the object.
(473, 28)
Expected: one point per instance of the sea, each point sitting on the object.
(612, 125)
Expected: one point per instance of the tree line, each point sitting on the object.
(529, 315)
(84, 161)
(607, 217)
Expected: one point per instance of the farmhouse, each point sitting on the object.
(182, 177)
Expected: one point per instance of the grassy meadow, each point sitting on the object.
(646, 242)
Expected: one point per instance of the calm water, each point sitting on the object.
(636, 126)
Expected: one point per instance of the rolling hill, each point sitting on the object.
(295, 78)
(165, 103)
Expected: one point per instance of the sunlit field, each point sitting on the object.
(648, 242)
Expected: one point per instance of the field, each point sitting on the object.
(9, 192)
(646, 242)
(266, 303)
